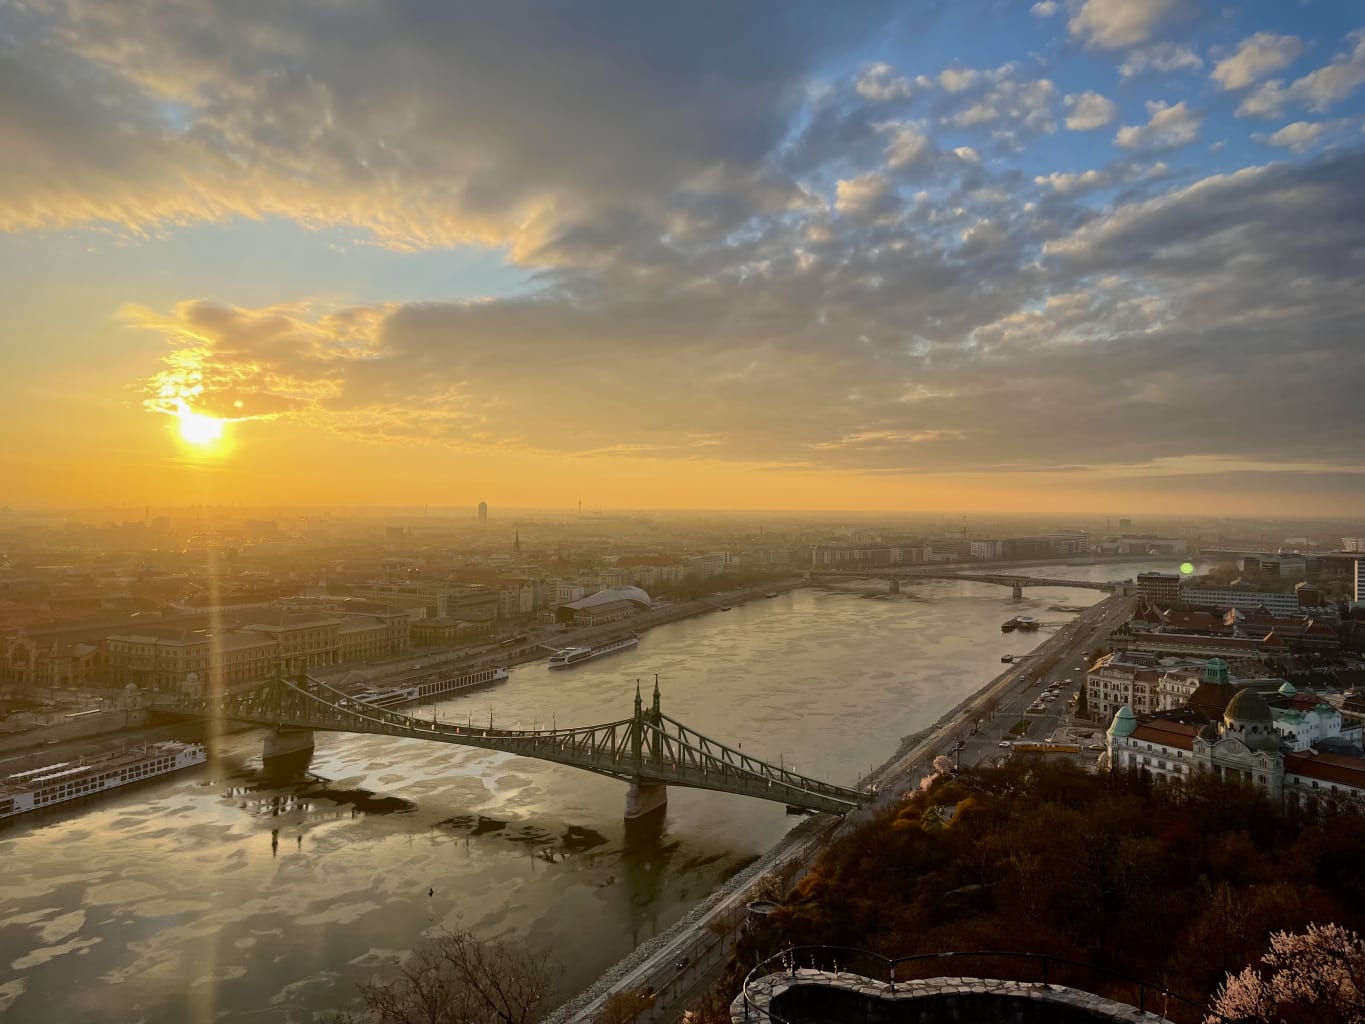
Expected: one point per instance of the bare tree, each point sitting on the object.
(458, 979)
(1314, 977)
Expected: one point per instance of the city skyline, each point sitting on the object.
(1084, 257)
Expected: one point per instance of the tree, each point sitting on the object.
(458, 979)
(625, 1006)
(1313, 977)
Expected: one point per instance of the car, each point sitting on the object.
(1004, 743)
(1095, 746)
(682, 963)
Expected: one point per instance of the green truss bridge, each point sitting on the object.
(650, 751)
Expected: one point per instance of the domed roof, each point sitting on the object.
(1288, 689)
(1124, 722)
(612, 594)
(1247, 707)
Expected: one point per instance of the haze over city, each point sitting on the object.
(1096, 257)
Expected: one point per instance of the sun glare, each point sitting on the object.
(198, 429)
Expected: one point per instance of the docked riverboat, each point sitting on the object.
(571, 656)
(61, 783)
(431, 689)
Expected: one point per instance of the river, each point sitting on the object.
(220, 893)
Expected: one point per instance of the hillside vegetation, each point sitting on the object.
(1173, 884)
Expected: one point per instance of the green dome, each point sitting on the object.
(1247, 707)
(1288, 689)
(1124, 722)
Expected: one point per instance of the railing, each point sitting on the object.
(1038, 968)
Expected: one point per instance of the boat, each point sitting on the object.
(431, 689)
(1007, 626)
(725, 607)
(1026, 622)
(771, 593)
(577, 655)
(39, 788)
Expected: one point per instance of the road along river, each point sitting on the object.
(219, 892)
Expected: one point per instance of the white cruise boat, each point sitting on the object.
(431, 688)
(570, 656)
(71, 780)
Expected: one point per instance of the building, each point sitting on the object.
(435, 600)
(1244, 599)
(611, 605)
(1245, 745)
(867, 555)
(1178, 684)
(302, 640)
(448, 632)
(172, 660)
(483, 513)
(1123, 679)
(1159, 588)
(987, 550)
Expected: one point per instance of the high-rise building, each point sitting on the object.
(483, 513)
(1125, 524)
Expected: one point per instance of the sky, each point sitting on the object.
(1070, 256)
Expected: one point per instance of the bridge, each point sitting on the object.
(649, 750)
(1017, 584)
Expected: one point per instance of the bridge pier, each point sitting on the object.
(895, 587)
(289, 745)
(645, 798)
(1018, 592)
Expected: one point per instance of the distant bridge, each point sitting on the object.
(1016, 583)
(649, 750)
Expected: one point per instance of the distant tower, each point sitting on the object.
(483, 513)
(516, 542)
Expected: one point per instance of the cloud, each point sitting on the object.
(881, 83)
(1316, 91)
(1068, 184)
(1011, 103)
(908, 145)
(344, 114)
(1298, 136)
(1256, 57)
(1114, 23)
(958, 79)
(1044, 8)
(1168, 126)
(863, 194)
(1088, 111)
(1159, 58)
(923, 334)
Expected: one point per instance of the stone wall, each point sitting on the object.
(823, 997)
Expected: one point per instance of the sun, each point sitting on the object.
(200, 430)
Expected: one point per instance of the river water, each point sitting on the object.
(219, 893)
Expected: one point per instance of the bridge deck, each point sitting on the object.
(649, 747)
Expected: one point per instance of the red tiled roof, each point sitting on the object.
(1168, 734)
(1336, 768)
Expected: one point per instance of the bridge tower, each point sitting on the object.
(286, 749)
(1017, 592)
(645, 797)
